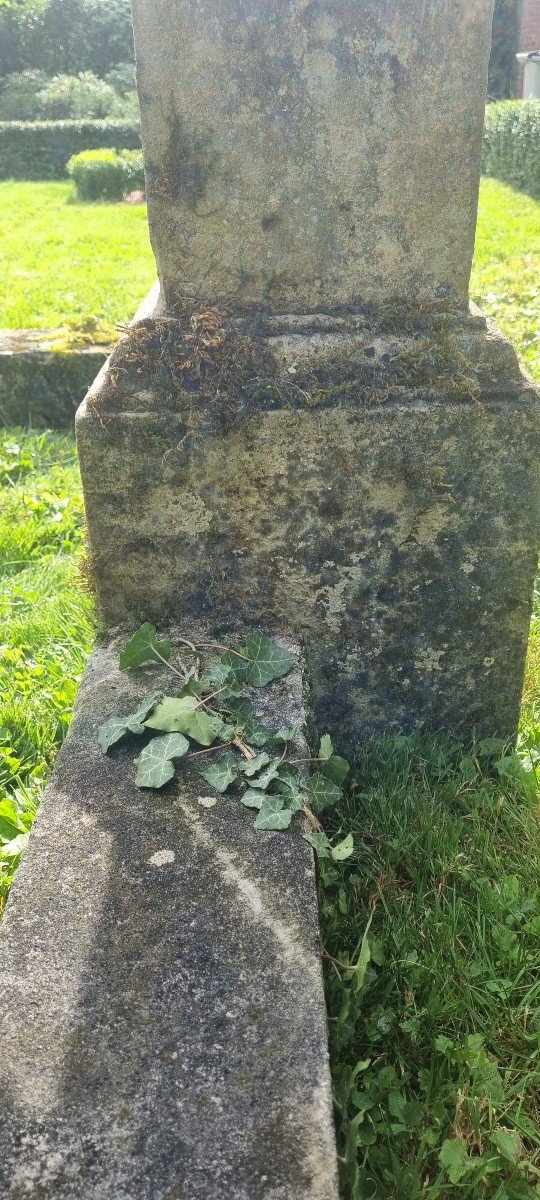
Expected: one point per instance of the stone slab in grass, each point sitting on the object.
(42, 386)
(164, 1034)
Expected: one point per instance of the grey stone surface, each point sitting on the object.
(309, 153)
(163, 1033)
(40, 385)
(371, 485)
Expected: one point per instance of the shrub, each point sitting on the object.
(122, 78)
(65, 36)
(78, 97)
(106, 174)
(41, 149)
(19, 95)
(512, 143)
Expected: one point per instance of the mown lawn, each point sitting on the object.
(505, 280)
(63, 262)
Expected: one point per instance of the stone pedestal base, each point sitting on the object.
(373, 492)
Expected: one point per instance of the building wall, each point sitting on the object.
(530, 32)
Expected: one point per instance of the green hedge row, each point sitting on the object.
(41, 149)
(512, 144)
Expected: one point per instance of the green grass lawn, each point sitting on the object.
(45, 621)
(62, 262)
(434, 1041)
(505, 280)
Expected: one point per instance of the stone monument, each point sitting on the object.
(312, 432)
(309, 431)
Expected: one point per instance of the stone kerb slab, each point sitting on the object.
(41, 385)
(305, 155)
(164, 1035)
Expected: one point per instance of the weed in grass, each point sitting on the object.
(435, 1028)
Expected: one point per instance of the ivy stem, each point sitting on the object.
(312, 819)
(210, 749)
(245, 750)
(203, 646)
(169, 665)
(204, 700)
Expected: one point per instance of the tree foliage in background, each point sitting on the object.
(503, 70)
(65, 36)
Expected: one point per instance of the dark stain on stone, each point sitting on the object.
(270, 221)
(185, 167)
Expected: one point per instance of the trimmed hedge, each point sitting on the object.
(41, 149)
(106, 174)
(512, 144)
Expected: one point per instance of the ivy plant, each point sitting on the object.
(209, 717)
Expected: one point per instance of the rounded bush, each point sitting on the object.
(106, 174)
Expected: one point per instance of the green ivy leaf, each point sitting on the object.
(319, 842)
(116, 727)
(265, 778)
(193, 687)
(203, 727)
(142, 648)
(265, 661)
(454, 1158)
(240, 709)
(343, 849)
(290, 775)
(217, 676)
(293, 800)
(154, 764)
(171, 714)
(284, 735)
(326, 748)
(273, 815)
(182, 714)
(223, 772)
(255, 764)
(252, 798)
(255, 733)
(323, 792)
(335, 768)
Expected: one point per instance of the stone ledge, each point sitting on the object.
(173, 1038)
(40, 385)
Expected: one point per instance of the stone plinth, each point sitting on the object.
(305, 155)
(369, 483)
(165, 1035)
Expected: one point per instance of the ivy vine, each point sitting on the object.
(210, 718)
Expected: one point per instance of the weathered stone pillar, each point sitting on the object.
(313, 433)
